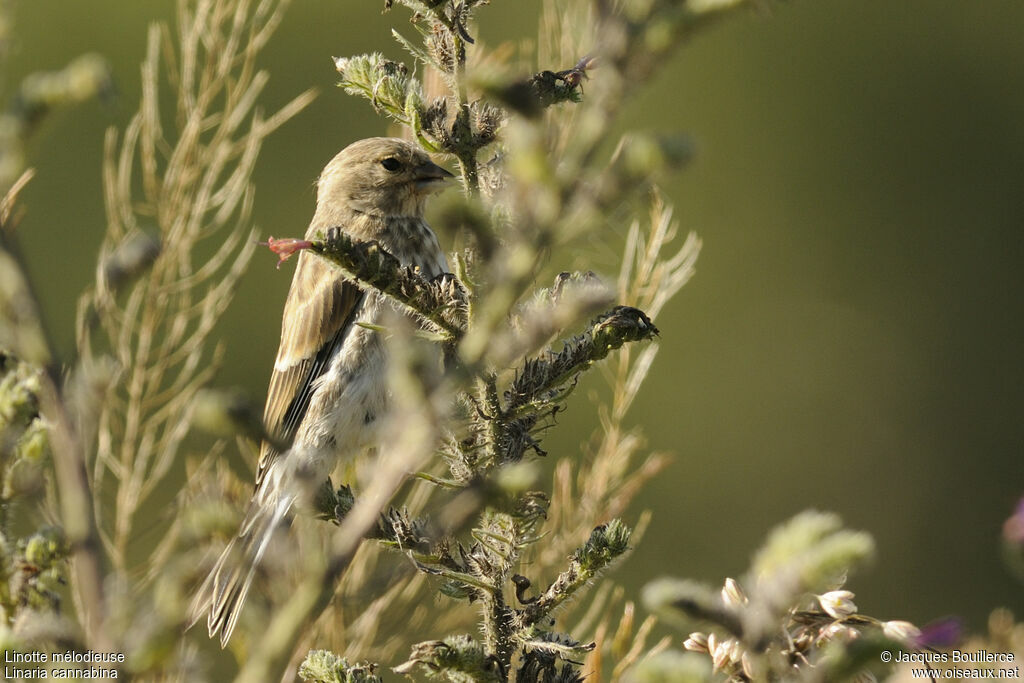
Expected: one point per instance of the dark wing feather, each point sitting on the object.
(320, 310)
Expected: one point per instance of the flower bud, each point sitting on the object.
(721, 656)
(838, 631)
(732, 594)
(838, 604)
(697, 642)
(903, 631)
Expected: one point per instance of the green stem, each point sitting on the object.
(463, 128)
(499, 629)
(372, 265)
(489, 390)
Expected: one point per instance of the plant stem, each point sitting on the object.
(463, 128)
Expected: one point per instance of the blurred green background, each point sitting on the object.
(852, 338)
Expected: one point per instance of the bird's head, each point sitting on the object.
(380, 176)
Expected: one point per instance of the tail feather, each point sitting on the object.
(223, 593)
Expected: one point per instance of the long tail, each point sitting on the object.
(223, 593)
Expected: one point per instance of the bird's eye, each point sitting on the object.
(391, 164)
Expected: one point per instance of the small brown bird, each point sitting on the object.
(328, 385)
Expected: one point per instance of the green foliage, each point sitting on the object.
(509, 383)
(459, 659)
(782, 629)
(19, 402)
(809, 554)
(531, 148)
(43, 570)
(385, 83)
(86, 441)
(321, 666)
(32, 567)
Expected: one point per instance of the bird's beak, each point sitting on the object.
(430, 176)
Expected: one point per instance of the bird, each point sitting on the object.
(328, 389)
